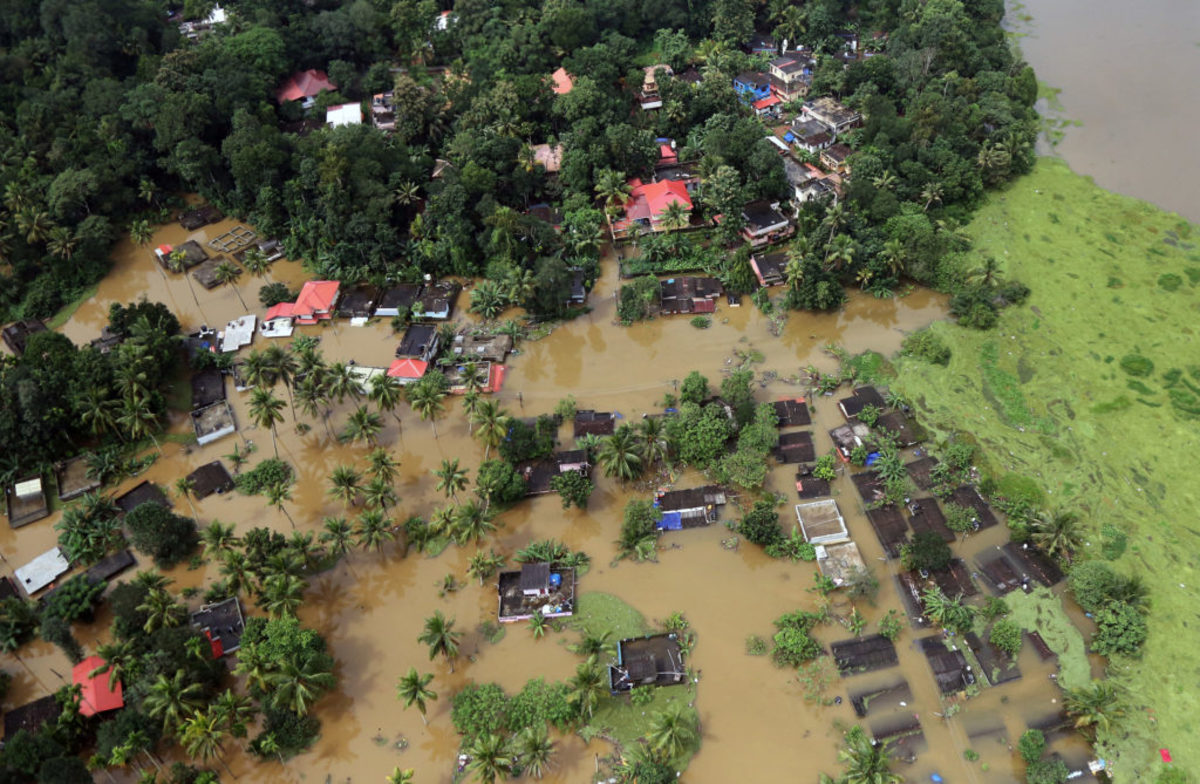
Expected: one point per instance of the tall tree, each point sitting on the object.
(413, 689)
(345, 484)
(266, 410)
(227, 273)
(451, 478)
(441, 638)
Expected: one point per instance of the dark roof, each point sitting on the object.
(193, 254)
(439, 298)
(200, 216)
(1035, 563)
(902, 426)
(694, 498)
(601, 423)
(863, 396)
(417, 341)
(655, 660)
(210, 478)
(691, 76)
(795, 448)
(686, 287)
(760, 216)
(17, 335)
(535, 576)
(770, 267)
(811, 487)
(571, 456)
(950, 668)
(890, 528)
(757, 79)
(72, 478)
(787, 64)
(224, 622)
(919, 471)
(7, 588)
(358, 302)
(955, 580)
(206, 273)
(927, 517)
(110, 566)
(864, 654)
(869, 485)
(792, 412)
(537, 475)
(400, 296)
(145, 493)
(208, 387)
(578, 290)
(997, 665)
(1001, 575)
(838, 152)
(969, 497)
(31, 716)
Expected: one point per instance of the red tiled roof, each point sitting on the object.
(769, 101)
(316, 296)
(303, 84)
(95, 696)
(280, 310)
(563, 83)
(408, 368)
(660, 195)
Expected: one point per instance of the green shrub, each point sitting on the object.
(641, 695)
(926, 550)
(926, 345)
(271, 472)
(756, 645)
(539, 703)
(162, 534)
(794, 645)
(76, 599)
(1169, 281)
(826, 467)
(761, 524)
(1137, 365)
(478, 709)
(1120, 628)
(869, 415)
(1046, 772)
(291, 733)
(1006, 635)
(1031, 746)
(1093, 583)
(701, 322)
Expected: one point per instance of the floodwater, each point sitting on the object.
(1127, 72)
(371, 606)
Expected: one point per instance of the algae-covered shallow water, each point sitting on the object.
(1046, 395)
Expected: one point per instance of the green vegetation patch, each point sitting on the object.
(1115, 462)
(1043, 612)
(596, 613)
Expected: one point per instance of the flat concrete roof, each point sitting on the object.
(43, 570)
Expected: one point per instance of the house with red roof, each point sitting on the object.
(648, 203)
(408, 370)
(317, 301)
(304, 86)
(561, 82)
(95, 693)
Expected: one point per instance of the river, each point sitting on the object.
(1128, 74)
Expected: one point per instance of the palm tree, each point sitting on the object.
(885, 181)
(613, 189)
(283, 366)
(363, 425)
(382, 465)
(839, 253)
(987, 272)
(1094, 707)
(441, 522)
(932, 192)
(218, 539)
(266, 410)
(338, 536)
(672, 731)
(655, 446)
(172, 699)
(184, 487)
(175, 263)
(386, 392)
(227, 273)
(295, 686)
(441, 638)
(276, 496)
(138, 418)
(140, 231)
(893, 254)
(235, 712)
(314, 399)
(256, 369)
(471, 377)
(483, 565)
(866, 762)
(674, 217)
(426, 397)
(344, 484)
(236, 571)
(118, 658)
(99, 411)
(379, 493)
(470, 404)
(342, 383)
(451, 478)
(490, 758)
(620, 454)
(1057, 533)
(472, 521)
(203, 735)
(835, 218)
(256, 262)
(162, 610)
(398, 776)
(283, 594)
(587, 686)
(413, 690)
(595, 645)
(373, 531)
(492, 423)
(488, 300)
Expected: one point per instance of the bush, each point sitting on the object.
(574, 487)
(1137, 365)
(701, 322)
(638, 530)
(1031, 746)
(694, 389)
(478, 709)
(1093, 583)
(959, 518)
(636, 299)
(538, 704)
(529, 442)
(826, 467)
(794, 645)
(162, 534)
(1121, 628)
(926, 345)
(274, 293)
(761, 524)
(1013, 292)
(291, 732)
(1006, 635)
(271, 472)
(499, 481)
(1046, 772)
(75, 600)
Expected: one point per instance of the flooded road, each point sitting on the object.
(1128, 74)
(371, 606)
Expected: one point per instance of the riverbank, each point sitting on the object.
(1060, 391)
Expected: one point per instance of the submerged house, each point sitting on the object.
(438, 300)
(26, 501)
(821, 522)
(421, 341)
(398, 299)
(72, 478)
(222, 623)
(655, 660)
(538, 474)
(600, 423)
(408, 370)
(482, 347)
(317, 301)
(210, 478)
(763, 224)
(96, 695)
(213, 422)
(358, 304)
(689, 295)
(693, 508)
(537, 589)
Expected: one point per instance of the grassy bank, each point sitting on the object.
(66, 311)
(1092, 388)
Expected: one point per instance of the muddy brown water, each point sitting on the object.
(371, 606)
(1127, 72)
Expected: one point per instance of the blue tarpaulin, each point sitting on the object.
(671, 521)
(871, 458)
(788, 137)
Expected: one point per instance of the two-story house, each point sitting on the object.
(832, 114)
(790, 77)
